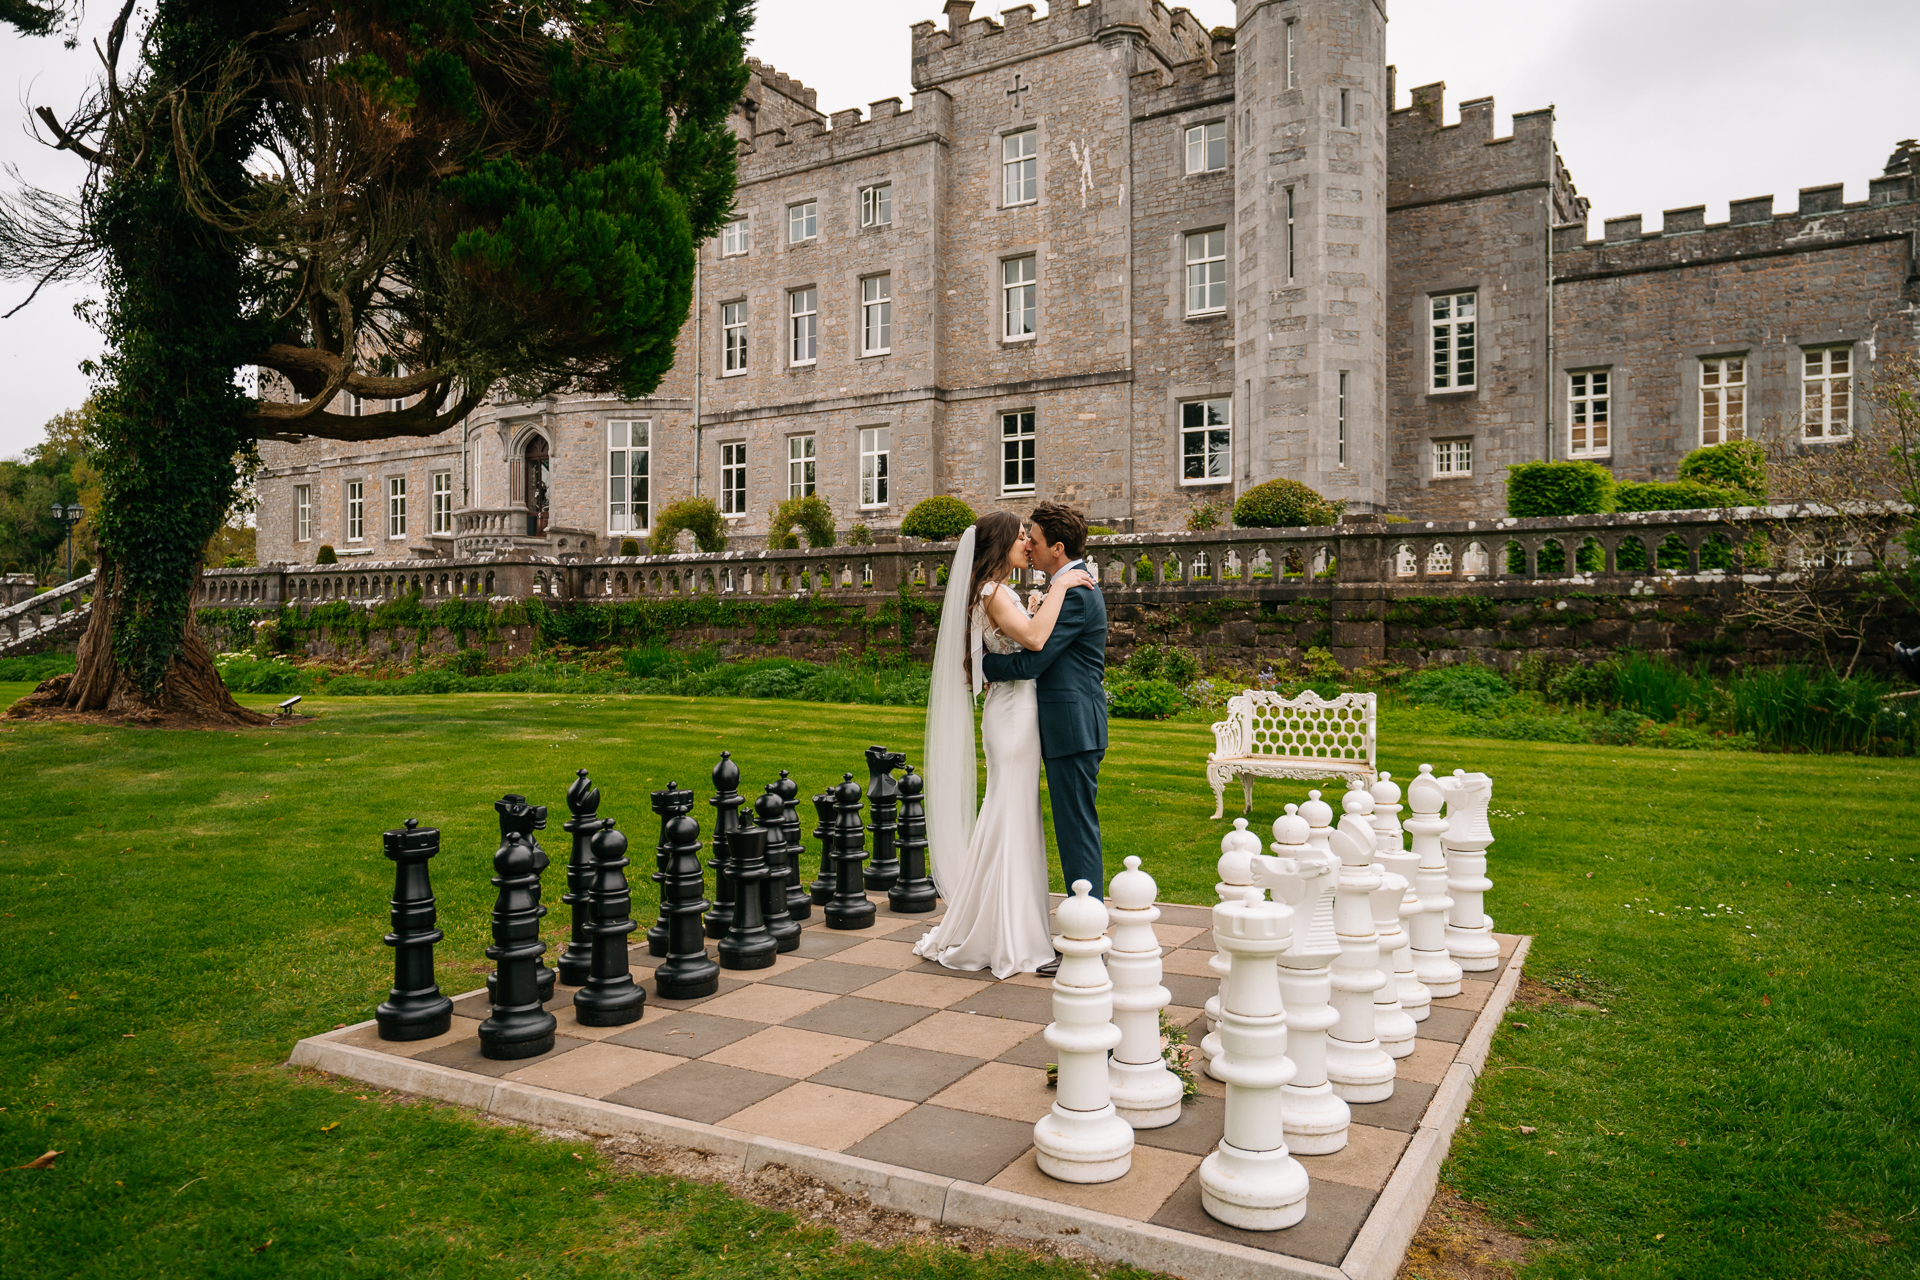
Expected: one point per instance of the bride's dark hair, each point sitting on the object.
(993, 537)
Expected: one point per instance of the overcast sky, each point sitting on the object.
(1661, 104)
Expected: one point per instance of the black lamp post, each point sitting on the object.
(70, 515)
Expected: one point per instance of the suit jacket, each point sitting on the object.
(1067, 676)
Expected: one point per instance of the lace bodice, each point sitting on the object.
(996, 641)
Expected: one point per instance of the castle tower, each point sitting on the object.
(1312, 222)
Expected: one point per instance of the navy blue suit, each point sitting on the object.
(1068, 679)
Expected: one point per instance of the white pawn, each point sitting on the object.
(1144, 1092)
(1392, 1025)
(1316, 1118)
(1469, 932)
(1083, 1139)
(1319, 816)
(1251, 1181)
(1237, 851)
(1428, 931)
(1361, 1071)
(1390, 853)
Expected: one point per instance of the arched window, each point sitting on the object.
(539, 472)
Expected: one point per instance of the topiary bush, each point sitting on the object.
(629, 546)
(1672, 495)
(1284, 504)
(812, 513)
(1739, 465)
(937, 519)
(325, 555)
(696, 515)
(1558, 489)
(1136, 699)
(1208, 514)
(82, 567)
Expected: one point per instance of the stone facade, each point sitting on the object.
(1229, 231)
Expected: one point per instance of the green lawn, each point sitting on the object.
(176, 909)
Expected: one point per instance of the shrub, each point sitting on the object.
(860, 535)
(629, 546)
(1558, 489)
(325, 555)
(1209, 514)
(696, 515)
(812, 513)
(937, 519)
(36, 667)
(82, 567)
(234, 562)
(1137, 699)
(1673, 495)
(1099, 531)
(243, 673)
(1584, 686)
(1659, 690)
(469, 662)
(1470, 688)
(1739, 465)
(1163, 662)
(778, 682)
(1284, 504)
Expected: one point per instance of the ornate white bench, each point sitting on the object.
(1308, 737)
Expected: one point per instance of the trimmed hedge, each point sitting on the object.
(1672, 495)
(1558, 489)
(1739, 465)
(325, 555)
(1284, 504)
(697, 515)
(937, 519)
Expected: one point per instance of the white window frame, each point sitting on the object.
(802, 467)
(876, 450)
(440, 489)
(1453, 459)
(1019, 168)
(1208, 424)
(1826, 393)
(733, 338)
(1019, 298)
(1590, 413)
(1454, 329)
(1207, 273)
(1204, 143)
(629, 475)
(1723, 398)
(303, 513)
(876, 315)
(356, 511)
(733, 479)
(803, 221)
(396, 507)
(1293, 66)
(803, 326)
(1346, 380)
(736, 238)
(876, 205)
(1019, 452)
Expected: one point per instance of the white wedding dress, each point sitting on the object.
(997, 900)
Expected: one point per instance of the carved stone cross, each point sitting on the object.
(1018, 87)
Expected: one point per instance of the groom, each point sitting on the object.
(1072, 700)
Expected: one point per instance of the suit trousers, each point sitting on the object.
(1073, 784)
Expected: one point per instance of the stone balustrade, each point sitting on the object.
(30, 614)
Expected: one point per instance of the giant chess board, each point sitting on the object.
(853, 1061)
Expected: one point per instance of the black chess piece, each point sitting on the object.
(799, 899)
(849, 908)
(820, 892)
(611, 998)
(883, 799)
(726, 804)
(517, 1027)
(914, 891)
(747, 945)
(575, 961)
(669, 804)
(773, 890)
(688, 972)
(516, 815)
(414, 1009)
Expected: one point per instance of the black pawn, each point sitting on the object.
(820, 892)
(849, 908)
(576, 958)
(883, 797)
(773, 890)
(669, 804)
(914, 891)
(611, 997)
(747, 945)
(688, 972)
(726, 804)
(519, 817)
(414, 1009)
(518, 1027)
(799, 900)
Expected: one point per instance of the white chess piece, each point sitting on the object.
(1428, 930)
(1144, 1092)
(1251, 1181)
(1392, 856)
(1237, 851)
(1361, 1071)
(1392, 1025)
(1319, 816)
(1083, 1139)
(1469, 931)
(1316, 1118)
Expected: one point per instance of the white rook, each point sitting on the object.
(1469, 932)
(1361, 1071)
(1390, 852)
(1251, 1181)
(1428, 930)
(1083, 1139)
(1238, 848)
(1316, 1119)
(1143, 1091)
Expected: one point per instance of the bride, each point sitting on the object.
(991, 870)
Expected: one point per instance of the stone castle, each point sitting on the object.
(1113, 258)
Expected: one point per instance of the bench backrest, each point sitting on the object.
(1308, 727)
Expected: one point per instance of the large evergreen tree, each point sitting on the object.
(406, 200)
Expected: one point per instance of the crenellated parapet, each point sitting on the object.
(846, 135)
(1158, 91)
(968, 44)
(1430, 161)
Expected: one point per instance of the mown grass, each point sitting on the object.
(176, 909)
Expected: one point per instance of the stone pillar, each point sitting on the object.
(1427, 931)
(1316, 1117)
(1469, 931)
(1144, 1092)
(1083, 1139)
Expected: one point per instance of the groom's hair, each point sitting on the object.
(1062, 524)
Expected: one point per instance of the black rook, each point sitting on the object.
(414, 1009)
(747, 945)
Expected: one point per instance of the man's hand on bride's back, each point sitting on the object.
(1070, 579)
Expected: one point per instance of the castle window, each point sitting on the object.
(1589, 414)
(733, 479)
(800, 467)
(734, 238)
(442, 494)
(733, 338)
(1018, 285)
(629, 475)
(1452, 458)
(803, 221)
(1020, 167)
(1723, 399)
(1207, 147)
(1827, 393)
(1206, 273)
(876, 315)
(803, 310)
(876, 448)
(1016, 452)
(1341, 419)
(1206, 441)
(1453, 324)
(303, 513)
(876, 205)
(1293, 66)
(356, 511)
(1289, 233)
(396, 506)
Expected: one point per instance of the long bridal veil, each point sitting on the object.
(952, 786)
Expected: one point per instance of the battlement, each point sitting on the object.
(969, 44)
(845, 134)
(1157, 91)
(782, 83)
(1428, 159)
